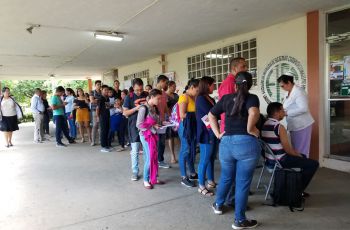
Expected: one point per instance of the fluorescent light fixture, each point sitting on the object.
(110, 36)
(215, 56)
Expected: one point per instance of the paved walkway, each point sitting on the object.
(78, 187)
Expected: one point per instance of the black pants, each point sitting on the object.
(104, 130)
(122, 130)
(161, 147)
(46, 124)
(61, 126)
(308, 166)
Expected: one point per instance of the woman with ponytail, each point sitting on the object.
(187, 132)
(239, 147)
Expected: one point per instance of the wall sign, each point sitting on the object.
(278, 66)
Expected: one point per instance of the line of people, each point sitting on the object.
(150, 117)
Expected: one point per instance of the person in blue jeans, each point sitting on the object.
(69, 112)
(205, 136)
(239, 149)
(187, 133)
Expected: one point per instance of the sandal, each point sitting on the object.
(159, 182)
(211, 185)
(205, 192)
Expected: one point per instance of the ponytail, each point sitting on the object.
(244, 82)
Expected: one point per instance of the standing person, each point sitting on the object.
(148, 122)
(299, 119)
(239, 147)
(131, 107)
(171, 133)
(10, 112)
(70, 97)
(38, 108)
(58, 106)
(116, 116)
(95, 96)
(237, 65)
(46, 113)
(111, 99)
(103, 117)
(205, 136)
(123, 126)
(116, 91)
(187, 132)
(81, 105)
(162, 85)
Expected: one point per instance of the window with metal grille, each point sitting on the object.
(216, 63)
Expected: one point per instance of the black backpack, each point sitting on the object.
(288, 189)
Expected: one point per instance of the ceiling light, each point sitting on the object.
(110, 36)
(215, 56)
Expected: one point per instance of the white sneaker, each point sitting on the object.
(104, 150)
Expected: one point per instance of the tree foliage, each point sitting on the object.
(23, 90)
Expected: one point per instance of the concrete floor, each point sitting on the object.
(78, 187)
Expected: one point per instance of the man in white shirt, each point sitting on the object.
(37, 107)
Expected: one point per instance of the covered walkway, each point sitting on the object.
(78, 187)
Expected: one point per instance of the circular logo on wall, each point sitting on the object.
(278, 66)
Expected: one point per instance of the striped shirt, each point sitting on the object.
(270, 134)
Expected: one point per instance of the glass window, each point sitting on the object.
(338, 38)
(215, 63)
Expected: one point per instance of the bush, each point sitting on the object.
(27, 118)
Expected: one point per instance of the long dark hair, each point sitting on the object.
(204, 85)
(192, 82)
(244, 82)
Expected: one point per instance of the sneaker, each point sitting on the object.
(92, 144)
(72, 141)
(105, 150)
(163, 165)
(245, 224)
(121, 149)
(38, 142)
(194, 177)
(60, 145)
(217, 209)
(135, 177)
(185, 181)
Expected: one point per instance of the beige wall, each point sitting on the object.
(288, 38)
(153, 65)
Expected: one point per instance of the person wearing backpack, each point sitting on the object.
(239, 149)
(187, 132)
(148, 122)
(275, 135)
(131, 106)
(205, 136)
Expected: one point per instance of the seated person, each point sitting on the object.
(275, 135)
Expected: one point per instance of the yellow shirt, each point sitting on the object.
(191, 105)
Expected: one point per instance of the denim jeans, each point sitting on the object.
(238, 153)
(206, 162)
(146, 159)
(61, 126)
(135, 148)
(72, 127)
(184, 155)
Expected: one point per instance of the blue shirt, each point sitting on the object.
(203, 106)
(36, 104)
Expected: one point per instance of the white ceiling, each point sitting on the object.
(64, 45)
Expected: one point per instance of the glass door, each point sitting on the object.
(338, 39)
